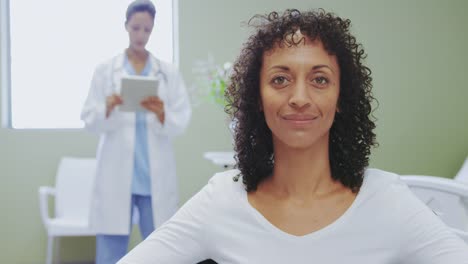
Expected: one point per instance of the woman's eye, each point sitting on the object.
(280, 80)
(321, 80)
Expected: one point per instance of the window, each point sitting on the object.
(50, 49)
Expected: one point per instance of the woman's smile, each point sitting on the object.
(299, 120)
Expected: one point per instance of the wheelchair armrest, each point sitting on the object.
(44, 193)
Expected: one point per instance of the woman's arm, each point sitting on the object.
(93, 113)
(426, 239)
(177, 109)
(182, 239)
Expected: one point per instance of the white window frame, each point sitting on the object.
(5, 61)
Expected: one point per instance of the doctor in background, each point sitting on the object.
(136, 164)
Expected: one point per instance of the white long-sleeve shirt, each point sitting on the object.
(385, 224)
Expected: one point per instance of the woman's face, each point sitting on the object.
(139, 28)
(299, 89)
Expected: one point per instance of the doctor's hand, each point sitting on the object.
(111, 102)
(156, 105)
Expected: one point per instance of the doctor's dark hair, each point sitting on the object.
(140, 6)
(351, 134)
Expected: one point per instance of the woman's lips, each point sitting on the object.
(299, 119)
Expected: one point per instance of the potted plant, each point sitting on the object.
(212, 82)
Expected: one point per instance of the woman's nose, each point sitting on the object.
(140, 33)
(300, 96)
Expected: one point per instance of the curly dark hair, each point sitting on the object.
(351, 135)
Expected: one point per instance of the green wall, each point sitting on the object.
(416, 52)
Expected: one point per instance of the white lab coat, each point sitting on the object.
(110, 209)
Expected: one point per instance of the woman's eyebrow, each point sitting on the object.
(279, 67)
(314, 68)
(320, 66)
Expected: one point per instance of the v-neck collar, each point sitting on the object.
(131, 70)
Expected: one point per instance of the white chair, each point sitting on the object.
(72, 191)
(446, 197)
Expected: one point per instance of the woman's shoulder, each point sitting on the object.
(226, 182)
(223, 189)
(220, 194)
(165, 66)
(383, 186)
(387, 187)
(376, 178)
(115, 61)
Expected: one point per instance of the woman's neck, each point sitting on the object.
(137, 56)
(301, 173)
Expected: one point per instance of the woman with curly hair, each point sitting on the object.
(302, 100)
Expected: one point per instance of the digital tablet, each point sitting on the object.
(134, 89)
